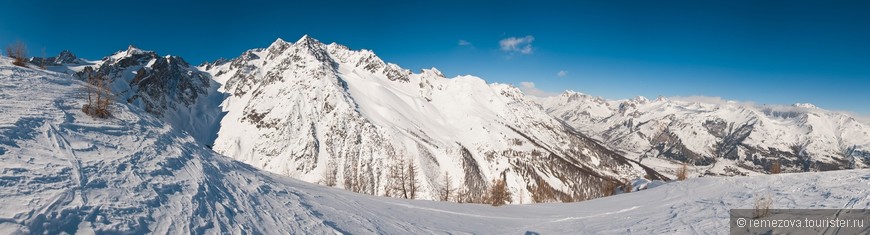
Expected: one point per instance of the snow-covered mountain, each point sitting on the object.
(165, 86)
(64, 58)
(62, 171)
(335, 116)
(718, 137)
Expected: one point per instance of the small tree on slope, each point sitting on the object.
(17, 51)
(99, 97)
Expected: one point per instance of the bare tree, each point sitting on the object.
(498, 193)
(627, 187)
(462, 195)
(542, 193)
(682, 172)
(446, 188)
(329, 174)
(99, 96)
(609, 187)
(775, 167)
(762, 206)
(411, 181)
(17, 51)
(42, 61)
(366, 179)
(397, 184)
(351, 175)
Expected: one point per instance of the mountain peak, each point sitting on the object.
(307, 40)
(805, 105)
(433, 71)
(569, 93)
(661, 99)
(278, 46)
(641, 99)
(278, 42)
(132, 49)
(314, 47)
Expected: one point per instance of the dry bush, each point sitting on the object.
(775, 167)
(682, 172)
(627, 187)
(567, 198)
(498, 193)
(99, 97)
(609, 188)
(17, 51)
(762, 206)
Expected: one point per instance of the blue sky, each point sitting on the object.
(768, 52)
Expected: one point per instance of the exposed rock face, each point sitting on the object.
(166, 86)
(725, 138)
(64, 58)
(328, 114)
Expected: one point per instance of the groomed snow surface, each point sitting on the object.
(63, 171)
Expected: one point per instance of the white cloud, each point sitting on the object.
(562, 73)
(521, 45)
(464, 43)
(529, 88)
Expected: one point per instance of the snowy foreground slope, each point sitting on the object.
(718, 137)
(62, 171)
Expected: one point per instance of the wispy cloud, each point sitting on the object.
(562, 73)
(521, 45)
(529, 88)
(464, 43)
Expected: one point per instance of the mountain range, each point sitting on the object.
(265, 143)
(718, 137)
(328, 114)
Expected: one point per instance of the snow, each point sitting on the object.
(293, 108)
(638, 127)
(63, 171)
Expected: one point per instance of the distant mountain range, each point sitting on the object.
(718, 138)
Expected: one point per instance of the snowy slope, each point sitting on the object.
(62, 171)
(719, 137)
(336, 116)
